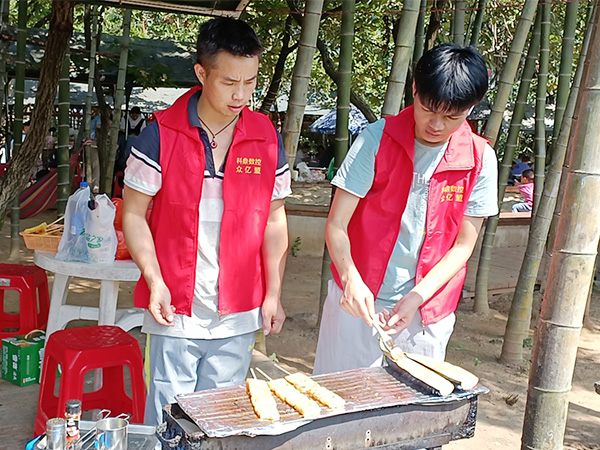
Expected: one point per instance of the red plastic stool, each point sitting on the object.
(79, 350)
(34, 300)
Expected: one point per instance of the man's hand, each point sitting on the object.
(402, 314)
(160, 305)
(273, 315)
(357, 299)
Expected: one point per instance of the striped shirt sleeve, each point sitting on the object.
(283, 179)
(143, 172)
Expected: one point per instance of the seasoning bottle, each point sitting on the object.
(72, 416)
(56, 434)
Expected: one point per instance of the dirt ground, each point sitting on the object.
(475, 345)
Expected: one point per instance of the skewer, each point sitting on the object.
(253, 373)
(264, 374)
(287, 372)
(56, 221)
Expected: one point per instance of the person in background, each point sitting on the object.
(49, 154)
(130, 130)
(302, 155)
(522, 164)
(212, 253)
(412, 195)
(526, 187)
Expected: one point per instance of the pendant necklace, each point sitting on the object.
(213, 143)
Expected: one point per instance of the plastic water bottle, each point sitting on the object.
(73, 245)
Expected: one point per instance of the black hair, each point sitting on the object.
(226, 34)
(528, 173)
(524, 157)
(451, 78)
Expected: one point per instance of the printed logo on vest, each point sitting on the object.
(452, 193)
(248, 166)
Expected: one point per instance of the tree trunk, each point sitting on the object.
(460, 7)
(301, 77)
(286, 49)
(481, 5)
(15, 212)
(540, 106)
(435, 23)
(59, 35)
(402, 54)
(571, 271)
(565, 71)
(106, 183)
(62, 150)
(481, 301)
(520, 309)
(492, 128)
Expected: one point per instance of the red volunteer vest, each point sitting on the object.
(375, 224)
(247, 190)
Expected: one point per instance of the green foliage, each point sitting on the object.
(296, 247)
(373, 41)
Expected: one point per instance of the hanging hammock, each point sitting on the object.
(43, 193)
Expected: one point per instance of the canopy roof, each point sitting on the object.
(231, 8)
(151, 62)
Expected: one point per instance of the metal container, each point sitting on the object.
(111, 433)
(56, 434)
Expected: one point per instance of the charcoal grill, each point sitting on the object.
(386, 409)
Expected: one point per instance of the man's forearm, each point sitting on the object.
(274, 252)
(141, 247)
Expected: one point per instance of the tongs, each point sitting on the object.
(440, 375)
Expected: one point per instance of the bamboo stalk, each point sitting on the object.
(481, 299)
(540, 106)
(571, 271)
(402, 53)
(15, 212)
(460, 7)
(301, 76)
(565, 71)
(520, 309)
(481, 5)
(107, 177)
(62, 150)
(492, 128)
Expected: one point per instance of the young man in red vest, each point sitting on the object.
(412, 195)
(212, 252)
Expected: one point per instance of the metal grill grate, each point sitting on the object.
(227, 411)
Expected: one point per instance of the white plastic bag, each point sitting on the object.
(100, 234)
(304, 173)
(73, 246)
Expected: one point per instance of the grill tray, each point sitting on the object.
(227, 412)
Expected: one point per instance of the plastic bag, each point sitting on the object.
(100, 234)
(73, 245)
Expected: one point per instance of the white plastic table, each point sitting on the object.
(109, 275)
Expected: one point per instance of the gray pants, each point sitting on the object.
(181, 366)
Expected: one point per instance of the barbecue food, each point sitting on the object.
(293, 397)
(454, 373)
(262, 400)
(308, 386)
(422, 373)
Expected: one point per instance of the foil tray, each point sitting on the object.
(227, 412)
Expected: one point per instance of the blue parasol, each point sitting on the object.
(326, 124)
